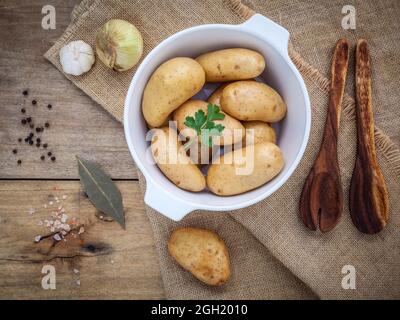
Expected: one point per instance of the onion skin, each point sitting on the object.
(119, 45)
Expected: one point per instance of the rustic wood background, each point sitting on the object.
(112, 263)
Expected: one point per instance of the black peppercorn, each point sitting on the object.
(53, 158)
(31, 125)
(38, 129)
(15, 151)
(47, 124)
(23, 121)
(31, 135)
(26, 139)
(45, 145)
(19, 161)
(38, 144)
(34, 102)
(25, 92)
(23, 110)
(19, 139)
(29, 119)
(42, 158)
(30, 142)
(38, 140)
(49, 106)
(49, 154)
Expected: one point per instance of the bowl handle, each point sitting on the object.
(162, 202)
(271, 31)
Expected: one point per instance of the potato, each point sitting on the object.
(174, 82)
(233, 132)
(201, 154)
(164, 124)
(202, 253)
(245, 169)
(173, 161)
(263, 132)
(251, 100)
(215, 97)
(231, 64)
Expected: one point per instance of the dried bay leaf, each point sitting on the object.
(101, 190)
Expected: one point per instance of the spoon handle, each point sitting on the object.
(369, 202)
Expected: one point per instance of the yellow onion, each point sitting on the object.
(119, 45)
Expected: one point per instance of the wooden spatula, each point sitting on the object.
(369, 203)
(321, 202)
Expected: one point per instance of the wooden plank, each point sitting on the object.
(78, 126)
(112, 262)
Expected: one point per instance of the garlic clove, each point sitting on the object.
(76, 57)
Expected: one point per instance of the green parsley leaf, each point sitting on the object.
(199, 118)
(204, 124)
(213, 113)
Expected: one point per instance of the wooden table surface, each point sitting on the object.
(105, 261)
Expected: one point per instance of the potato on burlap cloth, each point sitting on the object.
(272, 254)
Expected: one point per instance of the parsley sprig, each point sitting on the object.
(204, 124)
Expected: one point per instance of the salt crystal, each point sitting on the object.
(51, 203)
(64, 197)
(31, 211)
(64, 218)
(81, 230)
(57, 237)
(101, 217)
(112, 261)
(45, 206)
(52, 229)
(76, 271)
(78, 282)
(65, 226)
(38, 238)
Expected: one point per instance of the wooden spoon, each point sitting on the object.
(369, 202)
(321, 202)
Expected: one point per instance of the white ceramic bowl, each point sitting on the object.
(260, 34)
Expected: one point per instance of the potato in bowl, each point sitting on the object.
(241, 100)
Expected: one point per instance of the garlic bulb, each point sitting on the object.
(76, 57)
(119, 45)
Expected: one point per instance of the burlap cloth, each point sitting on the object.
(273, 255)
